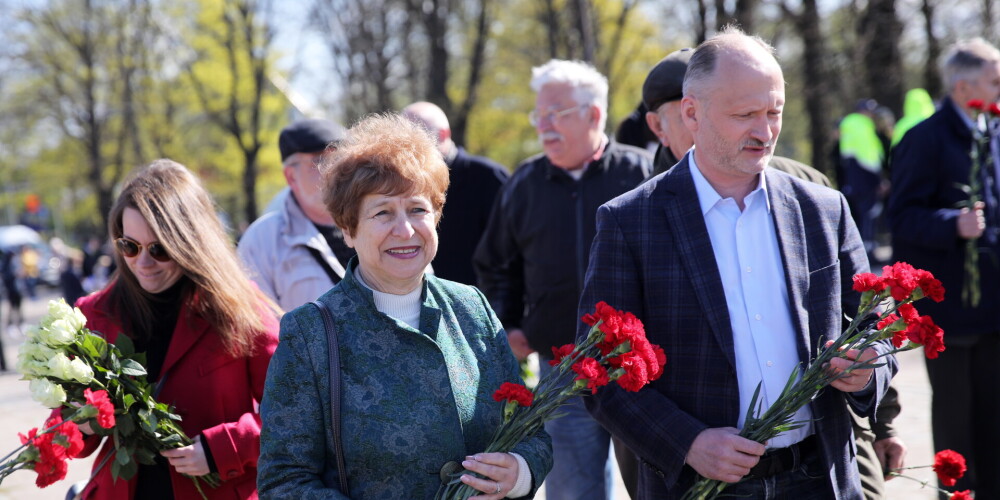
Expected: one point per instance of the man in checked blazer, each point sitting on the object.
(738, 271)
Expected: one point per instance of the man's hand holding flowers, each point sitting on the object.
(722, 454)
(851, 380)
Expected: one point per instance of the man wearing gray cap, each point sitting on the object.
(662, 93)
(296, 253)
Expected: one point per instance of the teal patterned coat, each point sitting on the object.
(412, 401)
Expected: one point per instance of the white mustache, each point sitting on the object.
(550, 136)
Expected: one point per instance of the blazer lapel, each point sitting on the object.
(190, 327)
(687, 224)
(790, 229)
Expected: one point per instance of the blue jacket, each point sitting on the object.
(412, 401)
(930, 164)
(653, 256)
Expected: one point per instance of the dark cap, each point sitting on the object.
(665, 82)
(866, 106)
(308, 136)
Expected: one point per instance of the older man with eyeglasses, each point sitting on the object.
(533, 255)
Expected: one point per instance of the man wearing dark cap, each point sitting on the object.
(296, 253)
(662, 92)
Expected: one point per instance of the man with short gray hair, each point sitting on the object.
(532, 258)
(931, 166)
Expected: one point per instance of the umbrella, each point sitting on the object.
(12, 237)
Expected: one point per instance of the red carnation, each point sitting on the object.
(909, 313)
(930, 285)
(590, 370)
(976, 104)
(558, 353)
(868, 282)
(514, 392)
(961, 495)
(50, 470)
(105, 410)
(887, 321)
(636, 371)
(949, 466)
(901, 279)
(923, 331)
(993, 108)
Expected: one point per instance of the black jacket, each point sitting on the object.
(532, 259)
(930, 166)
(474, 182)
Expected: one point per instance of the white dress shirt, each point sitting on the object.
(753, 280)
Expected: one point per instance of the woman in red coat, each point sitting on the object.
(207, 332)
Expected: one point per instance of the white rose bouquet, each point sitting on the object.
(65, 363)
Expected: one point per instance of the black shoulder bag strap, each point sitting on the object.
(334, 356)
(324, 264)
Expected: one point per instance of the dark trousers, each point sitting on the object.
(809, 481)
(965, 409)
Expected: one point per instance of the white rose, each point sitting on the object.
(80, 371)
(32, 359)
(59, 333)
(47, 393)
(59, 309)
(77, 320)
(59, 366)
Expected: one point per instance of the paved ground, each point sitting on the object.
(18, 413)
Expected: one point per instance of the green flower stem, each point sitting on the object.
(552, 392)
(923, 483)
(798, 393)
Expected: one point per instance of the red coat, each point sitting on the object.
(214, 394)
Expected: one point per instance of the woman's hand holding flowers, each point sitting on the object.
(189, 459)
(501, 472)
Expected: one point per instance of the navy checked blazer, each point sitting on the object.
(653, 256)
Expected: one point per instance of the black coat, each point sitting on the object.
(473, 185)
(929, 166)
(533, 256)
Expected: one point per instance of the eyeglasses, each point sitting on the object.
(535, 117)
(130, 248)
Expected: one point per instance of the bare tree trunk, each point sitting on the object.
(816, 75)
(436, 24)
(743, 14)
(701, 30)
(607, 65)
(932, 78)
(722, 16)
(550, 19)
(584, 28)
(883, 61)
(461, 120)
(989, 33)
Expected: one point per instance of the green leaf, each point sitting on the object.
(128, 401)
(133, 368)
(149, 422)
(125, 346)
(122, 457)
(125, 424)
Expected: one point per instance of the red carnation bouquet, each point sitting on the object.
(886, 312)
(47, 451)
(615, 350)
(949, 465)
(981, 134)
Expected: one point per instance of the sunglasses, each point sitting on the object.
(130, 248)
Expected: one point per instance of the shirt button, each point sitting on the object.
(748, 269)
(770, 363)
(757, 317)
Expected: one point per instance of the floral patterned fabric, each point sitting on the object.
(411, 400)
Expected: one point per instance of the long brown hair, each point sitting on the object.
(182, 216)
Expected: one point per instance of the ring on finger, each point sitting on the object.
(498, 488)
